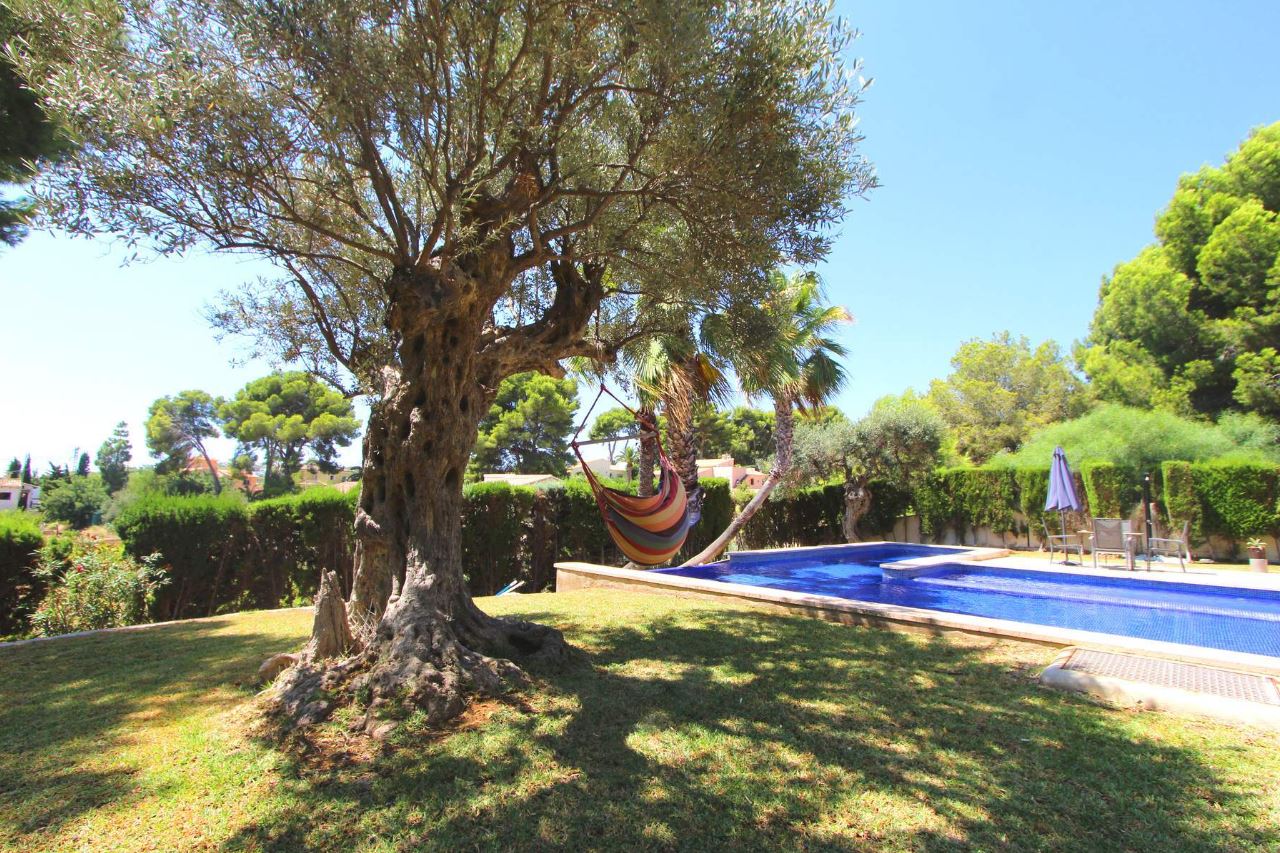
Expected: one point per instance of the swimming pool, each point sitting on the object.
(1217, 617)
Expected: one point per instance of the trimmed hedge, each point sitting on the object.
(20, 587)
(223, 555)
(1237, 500)
(808, 516)
(200, 540)
(497, 518)
(519, 533)
(1111, 491)
(962, 499)
(1181, 501)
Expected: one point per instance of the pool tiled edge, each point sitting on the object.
(574, 575)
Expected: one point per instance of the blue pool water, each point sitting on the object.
(1215, 617)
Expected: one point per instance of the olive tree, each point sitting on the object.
(452, 193)
(896, 443)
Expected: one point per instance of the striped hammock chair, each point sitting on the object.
(648, 530)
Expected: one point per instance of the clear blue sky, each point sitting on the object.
(1024, 149)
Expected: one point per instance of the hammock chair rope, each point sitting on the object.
(648, 530)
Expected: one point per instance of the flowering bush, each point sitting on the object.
(96, 588)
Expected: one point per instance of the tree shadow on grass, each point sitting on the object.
(713, 728)
(65, 706)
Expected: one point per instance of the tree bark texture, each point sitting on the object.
(417, 635)
(648, 456)
(857, 501)
(678, 404)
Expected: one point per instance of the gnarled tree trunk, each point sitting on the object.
(417, 634)
(857, 501)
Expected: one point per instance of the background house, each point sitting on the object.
(739, 476)
(522, 479)
(13, 492)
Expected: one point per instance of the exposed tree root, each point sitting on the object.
(418, 662)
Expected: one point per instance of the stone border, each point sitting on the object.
(1202, 577)
(1157, 697)
(129, 629)
(573, 575)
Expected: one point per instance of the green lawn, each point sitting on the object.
(689, 726)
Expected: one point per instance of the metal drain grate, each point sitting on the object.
(1183, 676)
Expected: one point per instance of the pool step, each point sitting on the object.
(1160, 684)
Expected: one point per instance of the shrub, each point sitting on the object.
(1110, 489)
(1238, 500)
(200, 539)
(496, 519)
(888, 503)
(20, 585)
(100, 588)
(78, 501)
(1139, 440)
(1180, 499)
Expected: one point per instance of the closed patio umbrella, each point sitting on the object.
(1062, 488)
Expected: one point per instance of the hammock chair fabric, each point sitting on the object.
(648, 530)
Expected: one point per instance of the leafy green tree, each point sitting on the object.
(27, 137)
(82, 465)
(528, 426)
(1191, 325)
(630, 459)
(753, 439)
(79, 501)
(15, 468)
(744, 433)
(1000, 390)
(608, 424)
(284, 415)
(1257, 376)
(453, 193)
(896, 443)
(179, 426)
(1140, 439)
(113, 458)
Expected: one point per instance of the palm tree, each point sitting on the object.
(784, 350)
(673, 371)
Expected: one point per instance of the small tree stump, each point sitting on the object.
(331, 636)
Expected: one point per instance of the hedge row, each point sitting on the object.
(518, 533)
(1234, 500)
(815, 516)
(20, 587)
(1231, 500)
(224, 555)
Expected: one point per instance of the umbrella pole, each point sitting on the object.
(1066, 555)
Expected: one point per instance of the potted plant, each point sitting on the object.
(1257, 554)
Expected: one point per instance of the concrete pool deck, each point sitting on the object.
(575, 575)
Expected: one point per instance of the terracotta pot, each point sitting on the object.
(1258, 564)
